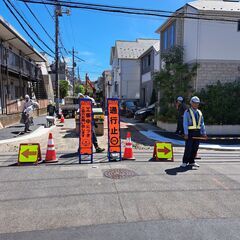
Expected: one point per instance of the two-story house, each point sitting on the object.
(209, 32)
(20, 70)
(126, 67)
(149, 65)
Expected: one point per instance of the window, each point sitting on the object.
(238, 27)
(165, 41)
(169, 36)
(149, 60)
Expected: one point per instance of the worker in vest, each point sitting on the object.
(193, 125)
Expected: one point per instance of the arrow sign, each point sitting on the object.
(165, 150)
(28, 153)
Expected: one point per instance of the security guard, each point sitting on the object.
(193, 125)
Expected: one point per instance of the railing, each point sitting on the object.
(18, 63)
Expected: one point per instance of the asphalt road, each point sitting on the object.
(162, 201)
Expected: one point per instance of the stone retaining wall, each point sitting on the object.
(6, 120)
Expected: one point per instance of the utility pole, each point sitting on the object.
(57, 13)
(79, 76)
(73, 72)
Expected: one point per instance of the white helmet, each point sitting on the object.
(195, 99)
(27, 96)
(180, 98)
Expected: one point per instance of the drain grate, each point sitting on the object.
(119, 173)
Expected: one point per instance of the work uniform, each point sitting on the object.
(181, 109)
(28, 108)
(193, 125)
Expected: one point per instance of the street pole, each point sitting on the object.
(57, 8)
(73, 72)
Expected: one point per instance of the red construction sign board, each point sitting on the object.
(114, 140)
(85, 127)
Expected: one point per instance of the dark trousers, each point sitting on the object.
(94, 138)
(191, 146)
(180, 126)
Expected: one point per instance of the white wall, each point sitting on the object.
(130, 78)
(146, 77)
(156, 61)
(211, 40)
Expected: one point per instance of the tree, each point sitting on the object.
(172, 81)
(79, 88)
(63, 88)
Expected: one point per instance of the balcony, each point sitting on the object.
(18, 64)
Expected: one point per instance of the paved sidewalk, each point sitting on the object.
(15, 130)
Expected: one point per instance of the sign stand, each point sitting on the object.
(163, 151)
(29, 153)
(114, 137)
(85, 130)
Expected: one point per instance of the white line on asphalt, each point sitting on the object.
(152, 135)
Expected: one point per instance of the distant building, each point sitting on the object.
(212, 40)
(20, 70)
(149, 65)
(64, 73)
(107, 86)
(126, 67)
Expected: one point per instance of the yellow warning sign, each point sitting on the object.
(163, 151)
(29, 153)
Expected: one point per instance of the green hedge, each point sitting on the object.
(221, 103)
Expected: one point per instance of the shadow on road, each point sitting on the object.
(176, 170)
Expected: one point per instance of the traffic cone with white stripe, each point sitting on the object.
(62, 119)
(51, 153)
(128, 151)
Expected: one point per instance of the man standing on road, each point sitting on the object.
(28, 108)
(194, 128)
(94, 136)
(181, 107)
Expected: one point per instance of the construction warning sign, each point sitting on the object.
(163, 151)
(85, 127)
(29, 153)
(114, 141)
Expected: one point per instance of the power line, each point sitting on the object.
(136, 11)
(19, 14)
(30, 10)
(6, 4)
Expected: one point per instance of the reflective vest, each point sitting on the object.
(195, 125)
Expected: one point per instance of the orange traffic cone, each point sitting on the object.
(51, 153)
(128, 152)
(62, 119)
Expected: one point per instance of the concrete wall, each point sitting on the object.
(130, 78)
(211, 40)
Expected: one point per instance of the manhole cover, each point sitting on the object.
(119, 173)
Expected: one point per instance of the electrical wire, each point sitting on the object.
(136, 11)
(30, 10)
(8, 7)
(20, 15)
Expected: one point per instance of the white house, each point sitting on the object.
(126, 67)
(149, 65)
(209, 31)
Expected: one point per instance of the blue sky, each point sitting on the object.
(93, 33)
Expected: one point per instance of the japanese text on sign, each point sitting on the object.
(113, 126)
(85, 127)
